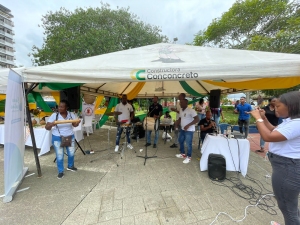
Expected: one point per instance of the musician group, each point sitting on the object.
(185, 126)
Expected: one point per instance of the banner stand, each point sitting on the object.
(14, 146)
(9, 196)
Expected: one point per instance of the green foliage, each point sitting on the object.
(227, 108)
(231, 118)
(262, 25)
(91, 31)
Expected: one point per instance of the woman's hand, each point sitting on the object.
(262, 113)
(49, 125)
(75, 124)
(256, 113)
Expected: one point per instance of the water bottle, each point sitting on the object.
(225, 133)
(138, 138)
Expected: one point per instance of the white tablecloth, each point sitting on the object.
(236, 155)
(43, 137)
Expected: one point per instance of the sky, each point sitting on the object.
(180, 19)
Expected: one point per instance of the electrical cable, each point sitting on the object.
(255, 196)
(245, 211)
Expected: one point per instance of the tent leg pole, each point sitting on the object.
(37, 161)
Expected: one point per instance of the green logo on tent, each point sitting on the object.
(138, 75)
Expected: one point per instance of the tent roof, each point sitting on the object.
(162, 65)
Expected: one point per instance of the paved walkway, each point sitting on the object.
(110, 190)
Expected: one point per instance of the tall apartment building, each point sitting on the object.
(6, 38)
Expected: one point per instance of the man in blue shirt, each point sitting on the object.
(243, 109)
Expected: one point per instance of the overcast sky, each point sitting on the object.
(177, 18)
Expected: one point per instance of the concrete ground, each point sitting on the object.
(111, 188)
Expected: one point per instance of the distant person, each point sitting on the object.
(284, 153)
(77, 113)
(270, 114)
(236, 103)
(243, 109)
(65, 130)
(187, 120)
(177, 110)
(168, 120)
(155, 111)
(216, 114)
(200, 109)
(259, 100)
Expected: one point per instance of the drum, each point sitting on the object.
(151, 123)
(125, 125)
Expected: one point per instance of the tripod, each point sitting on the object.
(125, 129)
(108, 147)
(146, 151)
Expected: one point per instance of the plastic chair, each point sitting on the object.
(95, 121)
(223, 126)
(88, 125)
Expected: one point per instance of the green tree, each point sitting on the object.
(91, 31)
(261, 25)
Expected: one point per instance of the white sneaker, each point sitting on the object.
(181, 156)
(117, 148)
(129, 146)
(187, 160)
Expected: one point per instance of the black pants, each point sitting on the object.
(286, 186)
(245, 124)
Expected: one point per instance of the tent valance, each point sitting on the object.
(261, 84)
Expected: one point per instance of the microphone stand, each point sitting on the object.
(146, 151)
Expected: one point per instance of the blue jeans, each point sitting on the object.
(217, 120)
(149, 136)
(187, 137)
(59, 151)
(119, 133)
(286, 186)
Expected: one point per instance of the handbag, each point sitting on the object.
(64, 141)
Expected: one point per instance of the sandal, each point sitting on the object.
(260, 151)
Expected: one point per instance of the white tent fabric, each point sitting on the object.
(162, 65)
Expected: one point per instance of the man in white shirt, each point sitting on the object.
(177, 110)
(123, 115)
(187, 119)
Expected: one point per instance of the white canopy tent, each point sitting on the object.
(162, 66)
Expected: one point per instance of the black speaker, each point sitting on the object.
(214, 98)
(72, 95)
(216, 167)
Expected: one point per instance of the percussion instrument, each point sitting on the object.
(166, 121)
(65, 121)
(125, 125)
(112, 113)
(151, 123)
